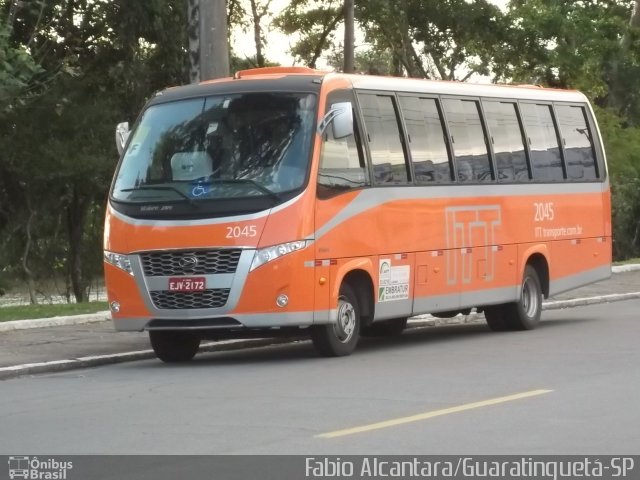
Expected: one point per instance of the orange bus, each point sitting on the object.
(293, 201)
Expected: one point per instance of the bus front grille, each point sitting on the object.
(190, 262)
(166, 300)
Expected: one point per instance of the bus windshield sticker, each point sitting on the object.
(393, 282)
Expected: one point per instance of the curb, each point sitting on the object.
(581, 302)
(99, 360)
(632, 267)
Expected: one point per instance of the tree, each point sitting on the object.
(451, 39)
(18, 70)
(591, 46)
(102, 59)
(315, 21)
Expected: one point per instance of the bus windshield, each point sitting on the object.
(220, 147)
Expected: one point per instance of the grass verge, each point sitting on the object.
(24, 312)
(628, 261)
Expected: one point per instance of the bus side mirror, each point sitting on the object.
(341, 116)
(122, 134)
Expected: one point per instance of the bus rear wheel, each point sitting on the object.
(523, 314)
(174, 347)
(340, 338)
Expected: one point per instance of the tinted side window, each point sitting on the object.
(546, 160)
(468, 140)
(342, 162)
(427, 141)
(383, 134)
(507, 138)
(578, 145)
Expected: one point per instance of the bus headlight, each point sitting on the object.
(265, 255)
(118, 260)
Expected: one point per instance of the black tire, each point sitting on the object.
(525, 314)
(174, 347)
(385, 328)
(496, 319)
(341, 338)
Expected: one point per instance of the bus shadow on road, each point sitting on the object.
(302, 349)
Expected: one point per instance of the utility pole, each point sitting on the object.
(193, 35)
(214, 48)
(349, 36)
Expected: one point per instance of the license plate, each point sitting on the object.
(187, 284)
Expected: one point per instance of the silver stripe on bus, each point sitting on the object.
(258, 320)
(436, 303)
(570, 282)
(393, 309)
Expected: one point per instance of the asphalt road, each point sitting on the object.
(570, 387)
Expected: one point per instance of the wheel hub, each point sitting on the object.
(529, 297)
(346, 324)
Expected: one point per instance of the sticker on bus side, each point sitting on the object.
(393, 282)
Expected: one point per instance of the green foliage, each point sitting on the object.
(315, 21)
(564, 43)
(101, 60)
(18, 71)
(8, 314)
(71, 70)
(449, 40)
(623, 154)
(372, 62)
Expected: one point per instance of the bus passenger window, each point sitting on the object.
(507, 138)
(546, 161)
(578, 146)
(342, 164)
(427, 143)
(468, 141)
(383, 134)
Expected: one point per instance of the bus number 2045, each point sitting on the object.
(544, 211)
(247, 231)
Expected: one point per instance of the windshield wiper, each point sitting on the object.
(162, 187)
(248, 181)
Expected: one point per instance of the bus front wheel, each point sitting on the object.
(174, 347)
(340, 338)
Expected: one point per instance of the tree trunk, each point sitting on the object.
(214, 41)
(257, 33)
(349, 40)
(25, 258)
(76, 219)
(320, 45)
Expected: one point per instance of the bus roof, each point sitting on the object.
(415, 85)
(440, 87)
(302, 78)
